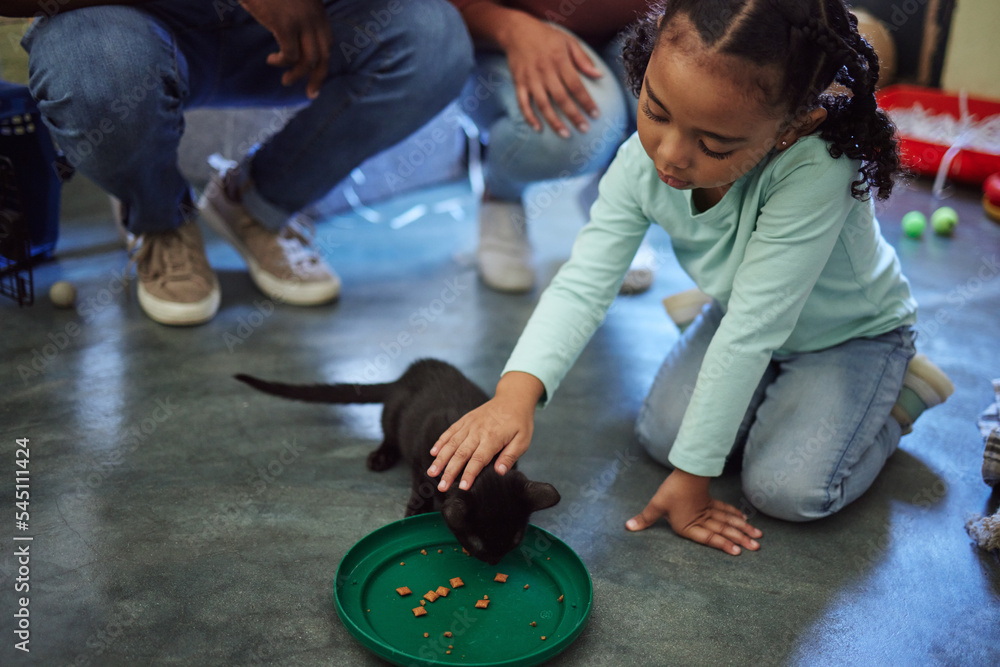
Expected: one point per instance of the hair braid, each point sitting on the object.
(814, 43)
(855, 126)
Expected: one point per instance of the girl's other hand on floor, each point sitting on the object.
(683, 499)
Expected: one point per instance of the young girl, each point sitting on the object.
(764, 182)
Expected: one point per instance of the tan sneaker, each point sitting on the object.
(284, 265)
(685, 306)
(176, 284)
(504, 252)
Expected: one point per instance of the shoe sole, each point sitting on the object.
(173, 313)
(282, 291)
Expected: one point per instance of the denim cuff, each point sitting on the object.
(272, 217)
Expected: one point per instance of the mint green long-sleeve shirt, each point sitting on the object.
(795, 261)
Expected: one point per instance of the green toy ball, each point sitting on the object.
(914, 224)
(944, 220)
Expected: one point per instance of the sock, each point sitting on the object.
(924, 386)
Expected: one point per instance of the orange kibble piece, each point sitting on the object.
(448, 652)
(427, 634)
(526, 587)
(533, 624)
(423, 602)
(560, 599)
(419, 611)
(447, 633)
(456, 582)
(431, 596)
(465, 551)
(439, 551)
(402, 563)
(543, 637)
(486, 597)
(404, 591)
(451, 646)
(482, 604)
(501, 577)
(442, 591)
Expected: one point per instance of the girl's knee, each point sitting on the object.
(656, 437)
(783, 496)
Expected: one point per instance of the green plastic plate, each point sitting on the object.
(541, 570)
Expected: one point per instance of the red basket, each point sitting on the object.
(923, 157)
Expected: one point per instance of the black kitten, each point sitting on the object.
(489, 519)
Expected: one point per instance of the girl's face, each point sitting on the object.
(701, 119)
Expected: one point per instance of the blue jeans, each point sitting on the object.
(112, 83)
(517, 155)
(817, 431)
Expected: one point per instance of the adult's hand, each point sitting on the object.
(304, 38)
(545, 62)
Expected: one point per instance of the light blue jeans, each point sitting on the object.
(817, 431)
(517, 155)
(112, 83)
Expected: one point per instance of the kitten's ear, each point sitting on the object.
(541, 495)
(455, 511)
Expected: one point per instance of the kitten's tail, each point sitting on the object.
(321, 393)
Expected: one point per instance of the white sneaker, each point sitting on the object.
(504, 252)
(284, 265)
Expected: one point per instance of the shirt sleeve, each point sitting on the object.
(806, 204)
(575, 303)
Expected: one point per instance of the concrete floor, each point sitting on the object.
(157, 540)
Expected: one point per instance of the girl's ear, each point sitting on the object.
(800, 127)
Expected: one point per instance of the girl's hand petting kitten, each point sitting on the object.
(683, 499)
(502, 425)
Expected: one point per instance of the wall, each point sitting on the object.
(973, 57)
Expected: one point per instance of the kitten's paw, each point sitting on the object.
(380, 460)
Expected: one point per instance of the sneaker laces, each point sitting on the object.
(297, 238)
(169, 254)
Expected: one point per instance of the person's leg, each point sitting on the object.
(824, 430)
(392, 67)
(111, 86)
(517, 156)
(663, 410)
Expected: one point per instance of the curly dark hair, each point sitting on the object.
(814, 43)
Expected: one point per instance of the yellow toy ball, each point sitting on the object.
(62, 294)
(944, 220)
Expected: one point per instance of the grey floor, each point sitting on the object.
(159, 540)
